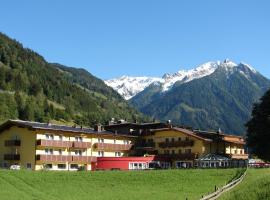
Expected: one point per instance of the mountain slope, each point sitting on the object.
(221, 96)
(33, 89)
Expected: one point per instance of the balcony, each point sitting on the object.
(239, 156)
(54, 143)
(112, 147)
(54, 158)
(66, 158)
(145, 145)
(9, 143)
(12, 157)
(184, 143)
(81, 145)
(84, 159)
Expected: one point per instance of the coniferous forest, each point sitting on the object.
(33, 89)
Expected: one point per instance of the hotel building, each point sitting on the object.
(125, 146)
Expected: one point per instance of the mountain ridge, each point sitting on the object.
(222, 97)
(129, 86)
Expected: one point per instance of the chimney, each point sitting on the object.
(98, 128)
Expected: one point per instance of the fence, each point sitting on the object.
(225, 188)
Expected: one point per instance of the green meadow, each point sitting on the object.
(112, 185)
(255, 186)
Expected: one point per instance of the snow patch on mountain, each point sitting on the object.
(128, 86)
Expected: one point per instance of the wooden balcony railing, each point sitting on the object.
(184, 143)
(54, 158)
(84, 159)
(9, 143)
(112, 147)
(12, 157)
(239, 156)
(81, 145)
(66, 158)
(54, 143)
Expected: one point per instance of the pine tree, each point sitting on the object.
(258, 136)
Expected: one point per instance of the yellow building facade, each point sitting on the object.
(37, 146)
(186, 147)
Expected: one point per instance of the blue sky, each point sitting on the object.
(141, 37)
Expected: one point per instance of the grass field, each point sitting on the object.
(255, 186)
(129, 185)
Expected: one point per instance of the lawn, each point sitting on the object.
(255, 186)
(105, 185)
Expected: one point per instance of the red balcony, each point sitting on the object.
(81, 145)
(54, 158)
(84, 159)
(112, 147)
(12, 157)
(54, 143)
(66, 158)
(184, 143)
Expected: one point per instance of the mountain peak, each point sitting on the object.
(128, 86)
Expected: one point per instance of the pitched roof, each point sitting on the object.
(185, 131)
(221, 137)
(48, 126)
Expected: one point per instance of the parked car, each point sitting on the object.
(15, 167)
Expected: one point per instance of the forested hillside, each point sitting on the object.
(33, 89)
(223, 100)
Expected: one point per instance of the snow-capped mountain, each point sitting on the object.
(128, 86)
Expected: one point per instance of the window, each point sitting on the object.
(235, 151)
(78, 152)
(173, 152)
(78, 139)
(100, 153)
(180, 151)
(49, 151)
(74, 166)
(60, 151)
(187, 151)
(61, 166)
(137, 166)
(49, 136)
(172, 139)
(48, 166)
(187, 138)
(100, 140)
(179, 139)
(117, 154)
(167, 140)
(61, 137)
(28, 166)
(166, 151)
